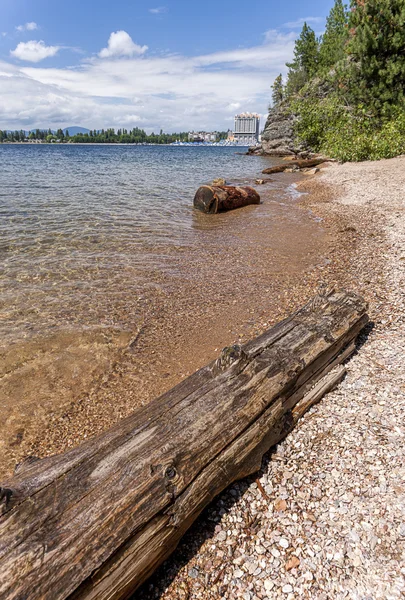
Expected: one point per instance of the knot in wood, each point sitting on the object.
(5, 494)
(228, 356)
(171, 473)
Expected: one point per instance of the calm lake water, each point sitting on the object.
(113, 288)
(81, 227)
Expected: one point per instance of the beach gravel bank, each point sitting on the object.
(325, 518)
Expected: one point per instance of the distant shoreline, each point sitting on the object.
(185, 145)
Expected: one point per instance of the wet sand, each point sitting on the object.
(239, 278)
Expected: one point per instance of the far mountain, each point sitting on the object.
(76, 130)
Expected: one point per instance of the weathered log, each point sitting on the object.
(95, 522)
(217, 198)
(299, 164)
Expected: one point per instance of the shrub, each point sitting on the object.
(327, 126)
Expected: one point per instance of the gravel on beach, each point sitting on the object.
(325, 517)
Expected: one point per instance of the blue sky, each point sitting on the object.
(175, 64)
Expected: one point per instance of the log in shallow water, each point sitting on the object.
(95, 522)
(218, 198)
(298, 164)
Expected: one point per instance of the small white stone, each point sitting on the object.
(268, 585)
(284, 543)
(356, 561)
(287, 589)
(251, 567)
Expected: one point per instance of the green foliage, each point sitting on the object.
(277, 90)
(305, 63)
(333, 42)
(377, 49)
(360, 139)
(335, 130)
(349, 97)
(315, 117)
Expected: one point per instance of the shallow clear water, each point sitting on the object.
(113, 288)
(83, 226)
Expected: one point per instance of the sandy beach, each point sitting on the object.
(325, 516)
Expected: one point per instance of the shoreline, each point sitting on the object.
(304, 526)
(185, 145)
(325, 516)
(70, 384)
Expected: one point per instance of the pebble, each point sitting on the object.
(221, 537)
(268, 585)
(193, 573)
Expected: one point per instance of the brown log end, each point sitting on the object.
(206, 200)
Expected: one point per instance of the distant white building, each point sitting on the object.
(247, 128)
(203, 136)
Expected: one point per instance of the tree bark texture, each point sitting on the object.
(218, 198)
(95, 522)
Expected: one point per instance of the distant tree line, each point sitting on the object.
(125, 136)
(103, 136)
(347, 87)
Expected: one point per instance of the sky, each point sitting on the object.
(176, 65)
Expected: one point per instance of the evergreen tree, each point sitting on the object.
(332, 48)
(377, 48)
(278, 90)
(305, 63)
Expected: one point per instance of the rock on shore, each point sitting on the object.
(278, 135)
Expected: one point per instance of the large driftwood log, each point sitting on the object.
(299, 164)
(217, 198)
(95, 522)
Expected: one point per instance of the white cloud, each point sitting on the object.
(173, 91)
(158, 11)
(121, 44)
(34, 51)
(27, 27)
(300, 22)
(233, 106)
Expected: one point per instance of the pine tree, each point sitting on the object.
(332, 48)
(278, 90)
(377, 48)
(305, 63)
